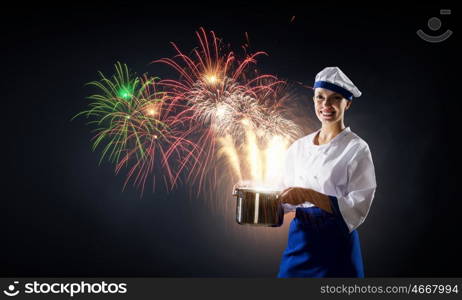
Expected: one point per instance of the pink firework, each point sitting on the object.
(162, 146)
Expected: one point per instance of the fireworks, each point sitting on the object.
(136, 125)
(213, 82)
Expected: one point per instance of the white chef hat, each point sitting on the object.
(332, 78)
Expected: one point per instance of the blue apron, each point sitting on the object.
(320, 245)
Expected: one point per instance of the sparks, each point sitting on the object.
(228, 101)
(137, 127)
(211, 79)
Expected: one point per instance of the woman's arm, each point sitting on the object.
(298, 195)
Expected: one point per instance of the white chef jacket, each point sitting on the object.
(342, 168)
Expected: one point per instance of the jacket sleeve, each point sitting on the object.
(354, 205)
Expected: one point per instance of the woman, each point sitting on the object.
(329, 182)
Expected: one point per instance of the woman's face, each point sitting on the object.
(329, 106)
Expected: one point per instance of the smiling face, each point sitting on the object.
(329, 106)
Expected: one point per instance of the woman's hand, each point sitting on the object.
(298, 195)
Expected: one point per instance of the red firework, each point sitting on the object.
(160, 134)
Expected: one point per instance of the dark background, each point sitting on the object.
(63, 215)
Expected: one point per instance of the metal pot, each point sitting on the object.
(258, 207)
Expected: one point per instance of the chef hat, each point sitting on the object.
(332, 78)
